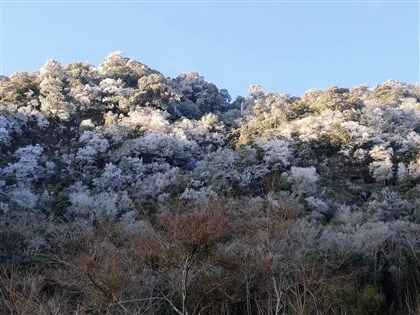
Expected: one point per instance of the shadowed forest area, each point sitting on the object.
(123, 191)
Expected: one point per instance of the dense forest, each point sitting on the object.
(123, 191)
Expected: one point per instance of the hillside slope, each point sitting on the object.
(126, 192)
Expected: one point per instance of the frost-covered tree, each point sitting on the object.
(157, 147)
(20, 89)
(156, 91)
(267, 113)
(93, 206)
(276, 153)
(53, 91)
(27, 166)
(94, 145)
(381, 168)
(217, 171)
(303, 180)
(7, 128)
(116, 66)
(206, 96)
(145, 119)
(114, 95)
(111, 179)
(83, 86)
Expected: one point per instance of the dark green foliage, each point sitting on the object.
(189, 109)
(299, 109)
(59, 205)
(367, 301)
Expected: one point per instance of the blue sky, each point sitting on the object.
(286, 47)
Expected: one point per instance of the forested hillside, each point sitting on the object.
(123, 191)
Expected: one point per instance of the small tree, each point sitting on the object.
(184, 242)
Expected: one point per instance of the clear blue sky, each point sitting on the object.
(286, 47)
